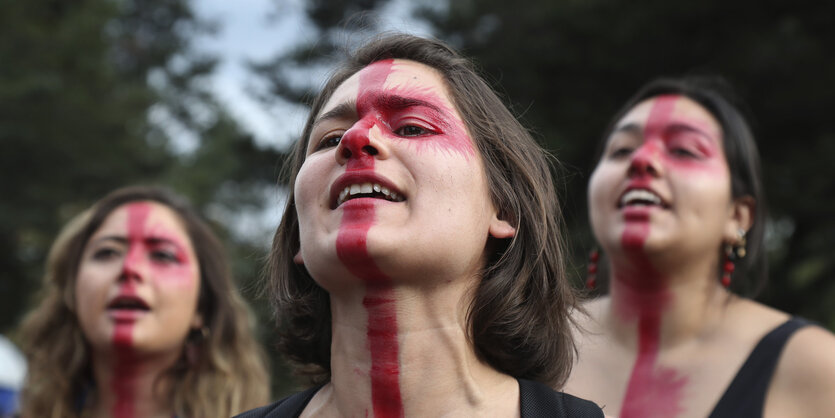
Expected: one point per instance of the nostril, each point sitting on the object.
(346, 153)
(370, 150)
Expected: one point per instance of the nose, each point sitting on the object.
(361, 143)
(133, 266)
(645, 160)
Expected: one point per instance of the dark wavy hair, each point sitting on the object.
(519, 318)
(228, 374)
(717, 97)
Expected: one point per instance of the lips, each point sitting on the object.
(128, 303)
(356, 185)
(639, 196)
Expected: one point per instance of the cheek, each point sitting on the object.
(598, 191)
(310, 186)
(182, 294)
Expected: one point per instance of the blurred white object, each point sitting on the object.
(12, 372)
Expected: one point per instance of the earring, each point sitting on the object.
(733, 252)
(591, 279)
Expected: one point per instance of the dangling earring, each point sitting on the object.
(591, 279)
(733, 252)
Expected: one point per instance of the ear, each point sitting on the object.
(298, 258)
(500, 228)
(741, 217)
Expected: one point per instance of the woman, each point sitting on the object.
(140, 318)
(418, 269)
(676, 204)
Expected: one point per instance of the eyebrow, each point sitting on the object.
(124, 240)
(348, 109)
(344, 110)
(634, 128)
(631, 128)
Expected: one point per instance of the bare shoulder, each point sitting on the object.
(804, 382)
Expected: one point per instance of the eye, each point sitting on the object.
(683, 152)
(329, 141)
(620, 152)
(165, 256)
(106, 253)
(412, 130)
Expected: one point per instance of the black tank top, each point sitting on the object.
(745, 396)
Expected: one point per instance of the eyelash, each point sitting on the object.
(327, 141)
(620, 152)
(423, 131)
(164, 256)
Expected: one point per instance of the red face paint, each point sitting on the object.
(125, 370)
(153, 253)
(393, 108)
(652, 391)
(351, 249)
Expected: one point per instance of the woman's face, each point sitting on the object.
(663, 181)
(392, 185)
(138, 281)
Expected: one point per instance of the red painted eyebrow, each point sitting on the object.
(348, 109)
(634, 128)
(124, 240)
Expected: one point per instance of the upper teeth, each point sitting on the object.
(640, 195)
(366, 188)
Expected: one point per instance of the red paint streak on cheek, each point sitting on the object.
(351, 248)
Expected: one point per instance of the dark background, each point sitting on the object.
(78, 80)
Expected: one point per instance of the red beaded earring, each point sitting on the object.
(733, 252)
(591, 279)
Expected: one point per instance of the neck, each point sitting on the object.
(658, 303)
(684, 295)
(394, 349)
(128, 384)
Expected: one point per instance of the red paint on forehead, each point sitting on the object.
(352, 250)
(660, 115)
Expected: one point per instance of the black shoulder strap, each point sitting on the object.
(745, 396)
(289, 407)
(538, 400)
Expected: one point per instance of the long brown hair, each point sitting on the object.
(228, 374)
(519, 319)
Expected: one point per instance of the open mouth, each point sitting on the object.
(372, 190)
(128, 303)
(641, 197)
